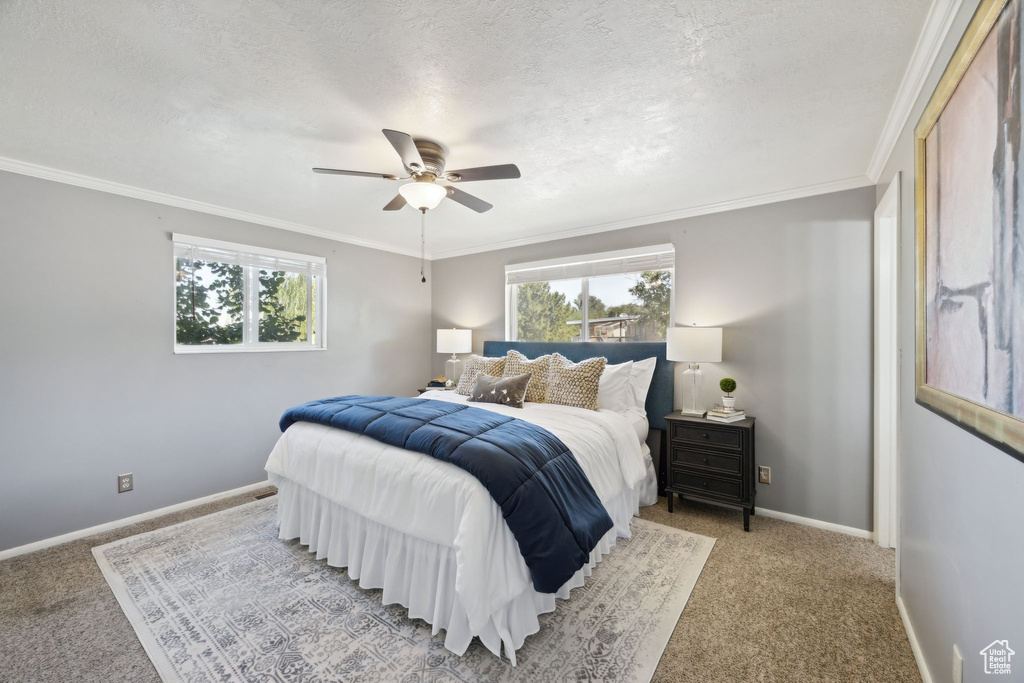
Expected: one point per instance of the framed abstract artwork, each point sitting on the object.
(969, 201)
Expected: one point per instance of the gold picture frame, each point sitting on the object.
(998, 428)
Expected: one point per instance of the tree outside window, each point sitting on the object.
(209, 301)
(544, 314)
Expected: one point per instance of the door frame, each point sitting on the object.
(886, 365)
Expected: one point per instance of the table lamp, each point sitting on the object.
(454, 341)
(694, 345)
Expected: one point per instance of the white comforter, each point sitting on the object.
(441, 503)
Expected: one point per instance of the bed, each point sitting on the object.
(430, 535)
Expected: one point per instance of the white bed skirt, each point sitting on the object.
(421, 575)
(648, 488)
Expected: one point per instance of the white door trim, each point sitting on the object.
(886, 363)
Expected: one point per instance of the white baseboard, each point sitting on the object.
(817, 523)
(100, 528)
(915, 646)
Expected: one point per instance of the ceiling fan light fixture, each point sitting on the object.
(423, 195)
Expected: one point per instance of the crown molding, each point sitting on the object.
(79, 180)
(936, 26)
(690, 212)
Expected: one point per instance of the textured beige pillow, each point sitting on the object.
(574, 384)
(518, 364)
(474, 366)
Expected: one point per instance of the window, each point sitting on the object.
(232, 297)
(620, 296)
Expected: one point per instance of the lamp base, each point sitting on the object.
(693, 384)
(453, 369)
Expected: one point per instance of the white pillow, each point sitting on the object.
(640, 382)
(614, 392)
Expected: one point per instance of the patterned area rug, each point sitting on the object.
(221, 598)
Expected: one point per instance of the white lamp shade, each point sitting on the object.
(454, 341)
(422, 195)
(694, 344)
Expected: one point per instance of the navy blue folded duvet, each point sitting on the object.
(546, 499)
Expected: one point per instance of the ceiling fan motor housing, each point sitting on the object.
(433, 154)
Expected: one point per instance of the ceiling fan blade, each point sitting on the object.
(406, 148)
(395, 204)
(365, 174)
(500, 172)
(469, 200)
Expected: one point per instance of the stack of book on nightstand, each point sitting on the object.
(722, 414)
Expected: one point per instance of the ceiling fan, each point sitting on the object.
(425, 161)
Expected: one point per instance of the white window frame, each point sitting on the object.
(572, 264)
(250, 314)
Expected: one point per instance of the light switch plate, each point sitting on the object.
(125, 482)
(958, 665)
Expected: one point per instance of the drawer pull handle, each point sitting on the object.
(704, 435)
(704, 460)
(705, 484)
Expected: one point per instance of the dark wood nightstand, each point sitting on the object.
(712, 462)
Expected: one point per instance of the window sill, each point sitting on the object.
(191, 350)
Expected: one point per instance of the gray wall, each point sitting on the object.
(89, 386)
(962, 548)
(791, 284)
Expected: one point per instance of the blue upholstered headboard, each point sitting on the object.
(659, 398)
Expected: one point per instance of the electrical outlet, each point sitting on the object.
(764, 474)
(125, 482)
(958, 665)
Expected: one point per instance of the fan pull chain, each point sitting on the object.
(423, 243)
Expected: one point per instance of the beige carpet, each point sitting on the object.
(782, 603)
(785, 602)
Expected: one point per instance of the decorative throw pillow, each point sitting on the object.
(474, 366)
(574, 384)
(517, 364)
(508, 391)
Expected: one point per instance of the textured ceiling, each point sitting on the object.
(612, 110)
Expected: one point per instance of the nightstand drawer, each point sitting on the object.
(701, 484)
(708, 436)
(723, 463)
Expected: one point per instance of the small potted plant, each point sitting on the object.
(728, 385)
